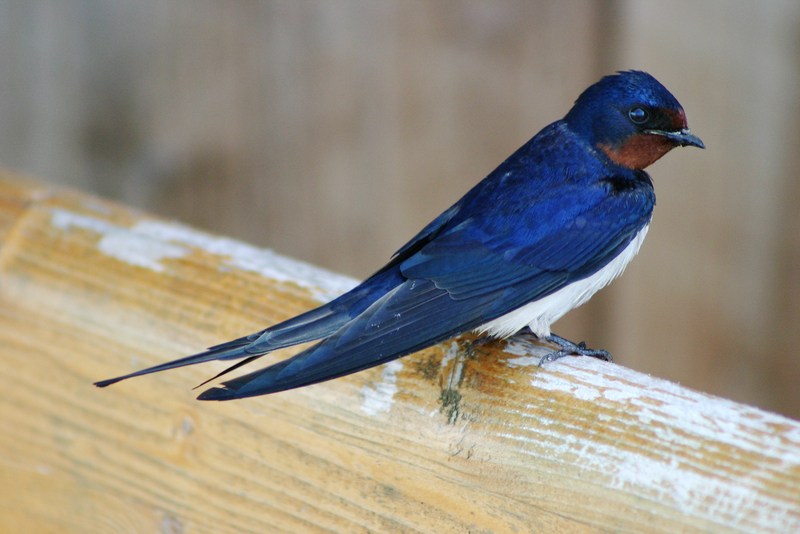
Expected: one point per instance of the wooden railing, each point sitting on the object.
(446, 440)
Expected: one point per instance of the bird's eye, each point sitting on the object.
(638, 115)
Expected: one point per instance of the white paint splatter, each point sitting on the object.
(455, 374)
(451, 353)
(381, 397)
(119, 242)
(530, 353)
(673, 415)
(523, 361)
(699, 414)
(149, 242)
(324, 285)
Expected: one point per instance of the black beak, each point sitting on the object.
(681, 138)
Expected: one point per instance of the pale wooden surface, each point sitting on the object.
(437, 442)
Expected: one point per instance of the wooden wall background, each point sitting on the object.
(332, 131)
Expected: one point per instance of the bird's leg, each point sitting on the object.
(568, 348)
(481, 341)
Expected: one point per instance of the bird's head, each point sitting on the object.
(631, 118)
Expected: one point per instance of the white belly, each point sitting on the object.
(540, 314)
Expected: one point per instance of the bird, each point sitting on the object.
(554, 223)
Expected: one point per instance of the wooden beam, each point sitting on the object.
(446, 440)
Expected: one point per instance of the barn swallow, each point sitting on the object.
(554, 223)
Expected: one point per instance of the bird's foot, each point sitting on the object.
(569, 348)
(478, 343)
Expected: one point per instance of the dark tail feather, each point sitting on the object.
(228, 370)
(319, 363)
(310, 326)
(226, 351)
(277, 377)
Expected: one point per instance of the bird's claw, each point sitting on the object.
(568, 348)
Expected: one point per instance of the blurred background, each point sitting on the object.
(333, 131)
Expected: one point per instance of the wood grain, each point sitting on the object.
(447, 440)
